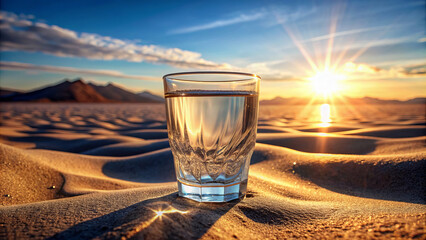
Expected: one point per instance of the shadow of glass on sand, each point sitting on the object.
(167, 217)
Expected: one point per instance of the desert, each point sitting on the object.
(105, 171)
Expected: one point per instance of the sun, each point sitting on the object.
(326, 82)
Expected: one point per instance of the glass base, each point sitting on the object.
(213, 193)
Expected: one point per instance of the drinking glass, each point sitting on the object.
(212, 124)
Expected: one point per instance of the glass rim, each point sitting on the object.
(171, 76)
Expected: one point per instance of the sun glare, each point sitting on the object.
(326, 82)
(159, 213)
(325, 113)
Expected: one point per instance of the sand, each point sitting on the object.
(105, 171)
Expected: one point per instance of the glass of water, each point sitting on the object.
(212, 123)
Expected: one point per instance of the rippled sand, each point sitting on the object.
(106, 171)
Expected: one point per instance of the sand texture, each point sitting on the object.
(104, 171)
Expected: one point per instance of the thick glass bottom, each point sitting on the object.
(213, 193)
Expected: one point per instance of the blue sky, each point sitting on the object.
(378, 46)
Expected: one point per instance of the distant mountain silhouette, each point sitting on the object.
(117, 94)
(5, 92)
(416, 101)
(66, 91)
(151, 96)
(341, 100)
(76, 91)
(79, 91)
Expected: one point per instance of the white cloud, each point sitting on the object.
(268, 72)
(17, 66)
(362, 71)
(284, 15)
(344, 33)
(422, 40)
(21, 34)
(219, 23)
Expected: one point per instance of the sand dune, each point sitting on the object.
(390, 132)
(74, 171)
(320, 143)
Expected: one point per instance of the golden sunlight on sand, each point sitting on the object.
(114, 176)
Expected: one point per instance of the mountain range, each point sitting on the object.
(79, 91)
